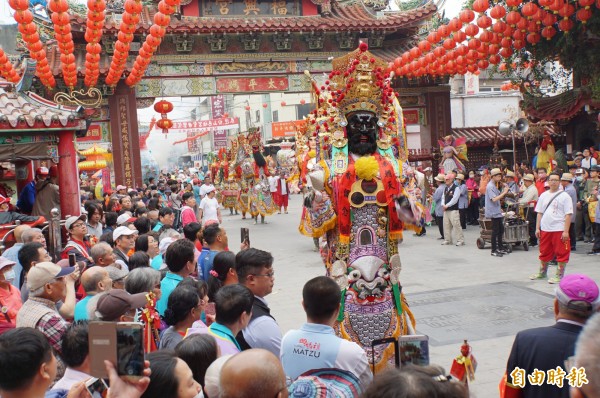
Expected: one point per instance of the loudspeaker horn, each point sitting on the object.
(522, 125)
(505, 128)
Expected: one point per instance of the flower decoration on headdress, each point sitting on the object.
(214, 273)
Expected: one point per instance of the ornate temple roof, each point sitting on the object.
(562, 106)
(484, 136)
(20, 111)
(353, 17)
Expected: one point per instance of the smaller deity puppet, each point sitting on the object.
(454, 152)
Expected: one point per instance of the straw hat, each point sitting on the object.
(567, 177)
(509, 173)
(440, 177)
(528, 177)
(495, 171)
(460, 177)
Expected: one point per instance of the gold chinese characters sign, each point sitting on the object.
(125, 143)
(273, 8)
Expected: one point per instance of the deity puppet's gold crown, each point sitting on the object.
(359, 82)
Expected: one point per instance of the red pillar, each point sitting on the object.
(68, 176)
(24, 173)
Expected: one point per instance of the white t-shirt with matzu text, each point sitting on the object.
(553, 218)
(209, 209)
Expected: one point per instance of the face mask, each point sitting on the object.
(199, 395)
(10, 275)
(471, 175)
(579, 178)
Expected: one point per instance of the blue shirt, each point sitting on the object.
(492, 209)
(27, 198)
(13, 255)
(167, 285)
(156, 262)
(158, 226)
(437, 197)
(463, 200)
(196, 190)
(315, 346)
(205, 262)
(224, 332)
(81, 313)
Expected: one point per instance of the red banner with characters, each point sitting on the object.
(251, 84)
(94, 133)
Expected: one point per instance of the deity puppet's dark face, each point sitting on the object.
(362, 133)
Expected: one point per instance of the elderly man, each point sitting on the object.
(576, 299)
(94, 280)
(47, 286)
(118, 305)
(528, 200)
(493, 210)
(451, 213)
(47, 195)
(438, 194)
(124, 239)
(102, 254)
(589, 192)
(253, 373)
(12, 254)
(554, 212)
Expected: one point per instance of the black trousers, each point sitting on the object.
(473, 213)
(532, 218)
(497, 233)
(440, 223)
(572, 236)
(462, 213)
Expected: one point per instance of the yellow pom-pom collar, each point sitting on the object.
(366, 167)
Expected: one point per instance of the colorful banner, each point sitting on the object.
(217, 104)
(251, 84)
(224, 123)
(106, 180)
(286, 129)
(411, 116)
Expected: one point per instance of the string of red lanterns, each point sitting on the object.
(129, 21)
(93, 34)
(31, 37)
(62, 33)
(7, 70)
(163, 107)
(162, 19)
(489, 38)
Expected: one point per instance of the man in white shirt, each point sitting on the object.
(283, 191)
(204, 188)
(554, 211)
(588, 161)
(315, 345)
(209, 208)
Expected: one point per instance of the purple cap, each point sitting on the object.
(578, 288)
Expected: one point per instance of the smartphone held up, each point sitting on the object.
(120, 343)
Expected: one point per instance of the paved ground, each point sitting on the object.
(454, 292)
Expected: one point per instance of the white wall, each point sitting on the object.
(484, 109)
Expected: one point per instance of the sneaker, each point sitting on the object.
(440, 238)
(539, 275)
(554, 280)
(593, 253)
(445, 243)
(497, 254)
(503, 251)
(460, 243)
(552, 263)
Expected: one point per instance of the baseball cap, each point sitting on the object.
(5, 262)
(119, 187)
(121, 231)
(579, 171)
(46, 272)
(595, 168)
(117, 302)
(164, 245)
(42, 171)
(577, 290)
(209, 189)
(125, 218)
(71, 220)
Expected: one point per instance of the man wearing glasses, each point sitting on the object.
(255, 271)
(554, 211)
(47, 286)
(77, 228)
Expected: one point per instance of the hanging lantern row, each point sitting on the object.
(157, 31)
(31, 37)
(62, 33)
(93, 35)
(7, 70)
(163, 107)
(469, 42)
(130, 19)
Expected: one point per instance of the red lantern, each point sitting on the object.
(247, 107)
(513, 3)
(472, 30)
(494, 59)
(529, 9)
(439, 52)
(444, 31)
(424, 46)
(161, 19)
(533, 38)
(498, 12)
(163, 107)
(460, 36)
(433, 37)
(548, 32)
(506, 52)
(166, 9)
(455, 24)
(513, 17)
(584, 14)
(58, 6)
(264, 105)
(480, 6)
(499, 27)
(302, 101)
(415, 52)
(484, 22)
(449, 44)
(164, 124)
(283, 103)
(485, 36)
(466, 16)
(565, 25)
(23, 17)
(133, 7)
(549, 19)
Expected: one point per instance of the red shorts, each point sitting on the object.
(283, 200)
(551, 245)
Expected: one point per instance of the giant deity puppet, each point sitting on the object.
(360, 151)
